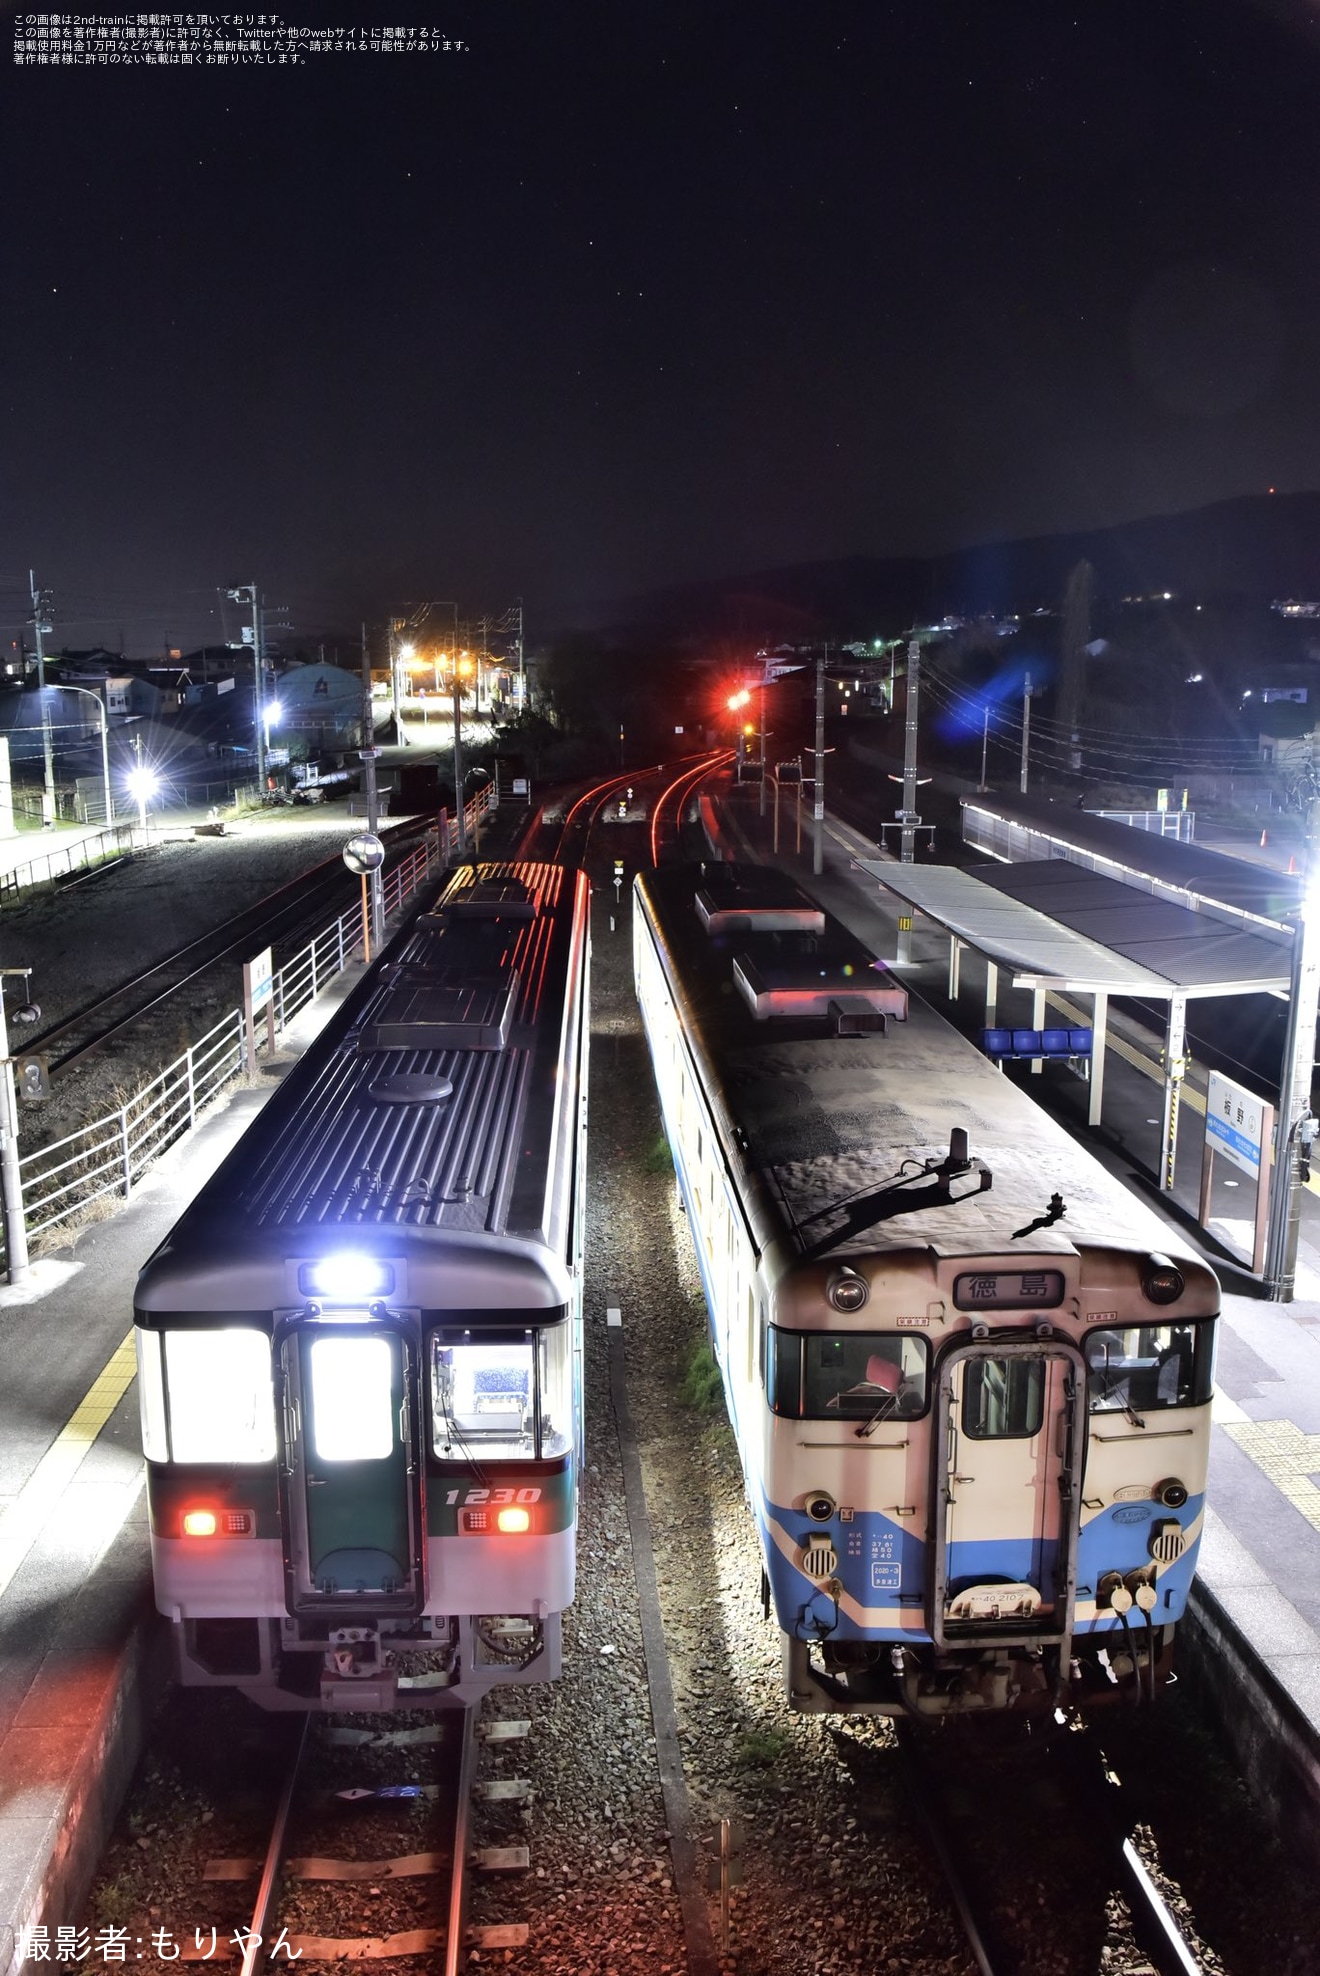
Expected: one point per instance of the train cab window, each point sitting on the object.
(1003, 1399)
(483, 1393)
(554, 1397)
(353, 1403)
(850, 1376)
(1144, 1367)
(220, 1395)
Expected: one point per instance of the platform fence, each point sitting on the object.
(74, 1178)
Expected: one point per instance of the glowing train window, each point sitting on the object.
(853, 1375)
(151, 1395)
(483, 1394)
(1149, 1366)
(352, 1399)
(555, 1395)
(220, 1394)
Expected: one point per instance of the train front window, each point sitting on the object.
(483, 1394)
(352, 1395)
(1003, 1399)
(555, 1395)
(854, 1375)
(220, 1395)
(1141, 1368)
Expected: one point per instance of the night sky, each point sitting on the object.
(628, 294)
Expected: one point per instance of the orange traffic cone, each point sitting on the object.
(1264, 839)
(1292, 867)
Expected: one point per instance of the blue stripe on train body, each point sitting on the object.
(879, 1562)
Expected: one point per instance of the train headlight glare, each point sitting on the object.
(199, 1523)
(1162, 1282)
(513, 1520)
(848, 1291)
(347, 1278)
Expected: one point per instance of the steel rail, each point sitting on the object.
(250, 919)
(261, 1907)
(953, 1878)
(456, 1918)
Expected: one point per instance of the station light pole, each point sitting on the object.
(40, 630)
(87, 694)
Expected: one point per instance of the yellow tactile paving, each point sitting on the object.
(1289, 1458)
(22, 1521)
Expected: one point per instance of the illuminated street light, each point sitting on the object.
(143, 783)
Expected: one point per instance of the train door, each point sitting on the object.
(351, 1474)
(1007, 1456)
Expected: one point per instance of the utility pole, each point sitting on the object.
(41, 602)
(762, 805)
(985, 746)
(818, 787)
(522, 676)
(908, 815)
(367, 754)
(246, 593)
(458, 758)
(1026, 731)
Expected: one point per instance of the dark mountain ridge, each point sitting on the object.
(1254, 547)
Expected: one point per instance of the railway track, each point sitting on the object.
(1096, 1836)
(333, 1845)
(282, 914)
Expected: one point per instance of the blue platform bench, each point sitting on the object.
(1001, 1043)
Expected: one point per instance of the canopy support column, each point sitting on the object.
(1175, 1066)
(991, 993)
(1037, 1022)
(1099, 1039)
(955, 966)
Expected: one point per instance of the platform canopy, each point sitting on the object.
(1058, 927)
(1032, 944)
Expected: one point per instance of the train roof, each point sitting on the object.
(431, 1110)
(834, 1094)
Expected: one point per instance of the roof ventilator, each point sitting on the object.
(415, 1011)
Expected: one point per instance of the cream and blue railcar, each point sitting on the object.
(360, 1350)
(968, 1373)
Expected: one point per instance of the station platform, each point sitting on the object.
(1253, 1648)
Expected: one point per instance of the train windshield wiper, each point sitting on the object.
(929, 1185)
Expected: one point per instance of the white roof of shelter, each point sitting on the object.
(1191, 954)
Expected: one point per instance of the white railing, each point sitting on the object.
(63, 859)
(104, 1160)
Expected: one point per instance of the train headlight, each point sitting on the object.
(1171, 1492)
(199, 1523)
(820, 1506)
(1162, 1282)
(347, 1278)
(848, 1291)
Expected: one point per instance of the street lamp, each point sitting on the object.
(87, 694)
(143, 783)
(273, 714)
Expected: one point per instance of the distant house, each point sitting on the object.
(319, 705)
